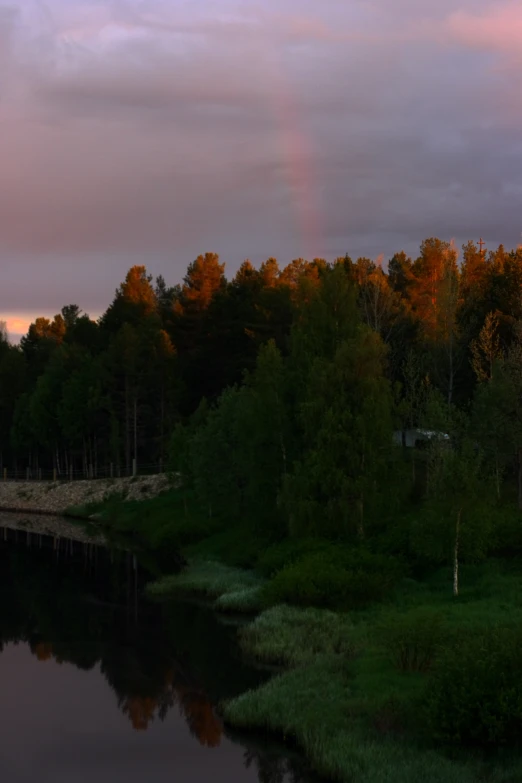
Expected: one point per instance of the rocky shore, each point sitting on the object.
(56, 497)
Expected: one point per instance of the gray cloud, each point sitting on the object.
(148, 133)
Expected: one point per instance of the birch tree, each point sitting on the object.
(455, 522)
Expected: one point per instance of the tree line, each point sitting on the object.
(276, 393)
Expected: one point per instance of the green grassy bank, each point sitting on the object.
(381, 675)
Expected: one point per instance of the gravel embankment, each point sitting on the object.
(56, 497)
(39, 525)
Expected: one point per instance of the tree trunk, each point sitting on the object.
(360, 523)
(360, 503)
(162, 422)
(520, 478)
(127, 426)
(451, 370)
(456, 556)
(135, 427)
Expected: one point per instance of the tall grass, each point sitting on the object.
(234, 589)
(292, 636)
(354, 699)
(312, 707)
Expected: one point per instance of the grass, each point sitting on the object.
(313, 707)
(164, 522)
(245, 601)
(291, 636)
(350, 703)
(353, 695)
(113, 503)
(233, 589)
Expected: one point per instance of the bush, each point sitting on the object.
(413, 640)
(475, 697)
(235, 545)
(284, 553)
(331, 579)
(507, 539)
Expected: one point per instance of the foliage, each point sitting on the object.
(475, 696)
(273, 397)
(413, 639)
(346, 580)
(313, 707)
(343, 416)
(284, 553)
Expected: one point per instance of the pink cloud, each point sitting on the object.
(497, 29)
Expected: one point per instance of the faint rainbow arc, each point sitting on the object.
(298, 159)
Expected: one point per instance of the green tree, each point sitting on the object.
(13, 382)
(343, 412)
(266, 443)
(457, 482)
(219, 474)
(455, 522)
(498, 412)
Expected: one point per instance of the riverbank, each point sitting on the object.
(358, 647)
(351, 689)
(230, 589)
(62, 497)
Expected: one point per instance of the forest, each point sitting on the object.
(315, 353)
(276, 395)
(277, 400)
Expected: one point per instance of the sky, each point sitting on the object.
(150, 131)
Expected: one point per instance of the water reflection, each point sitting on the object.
(83, 606)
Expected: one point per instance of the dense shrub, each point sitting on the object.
(507, 539)
(413, 639)
(235, 545)
(341, 580)
(475, 696)
(284, 553)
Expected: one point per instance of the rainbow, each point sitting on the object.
(300, 172)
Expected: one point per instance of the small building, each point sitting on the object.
(418, 438)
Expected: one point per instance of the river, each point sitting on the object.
(98, 683)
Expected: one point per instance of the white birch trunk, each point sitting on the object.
(456, 556)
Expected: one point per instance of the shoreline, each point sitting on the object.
(39, 512)
(335, 693)
(64, 498)
(315, 700)
(52, 525)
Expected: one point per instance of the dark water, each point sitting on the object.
(99, 684)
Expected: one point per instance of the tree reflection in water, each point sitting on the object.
(155, 656)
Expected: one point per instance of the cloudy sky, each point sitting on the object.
(149, 131)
